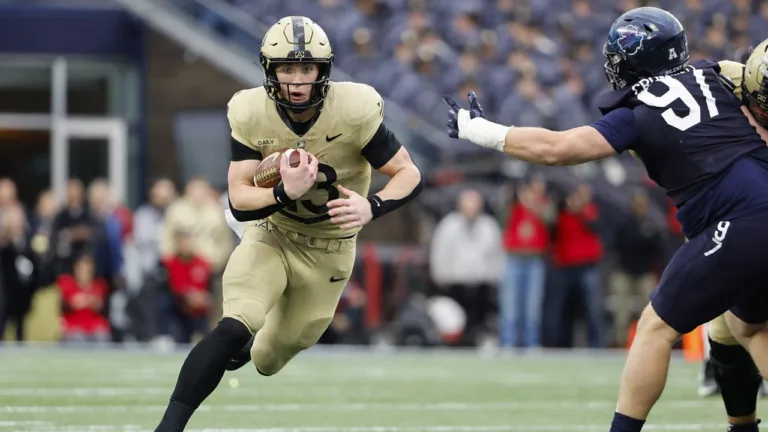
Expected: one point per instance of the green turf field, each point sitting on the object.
(51, 390)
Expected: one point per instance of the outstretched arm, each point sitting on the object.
(536, 145)
(545, 147)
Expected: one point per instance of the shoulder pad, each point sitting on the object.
(613, 100)
(706, 64)
(730, 74)
(361, 103)
(244, 106)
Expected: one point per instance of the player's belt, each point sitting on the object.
(330, 245)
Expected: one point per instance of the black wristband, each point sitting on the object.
(380, 207)
(280, 196)
(376, 208)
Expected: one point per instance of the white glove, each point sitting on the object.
(472, 125)
(236, 226)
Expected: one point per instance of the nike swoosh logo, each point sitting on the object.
(335, 279)
(273, 44)
(329, 138)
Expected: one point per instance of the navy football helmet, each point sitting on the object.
(642, 43)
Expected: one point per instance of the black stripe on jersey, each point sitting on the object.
(298, 33)
(241, 152)
(306, 221)
(727, 83)
(252, 215)
(381, 148)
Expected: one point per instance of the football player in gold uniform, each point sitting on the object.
(284, 280)
(731, 367)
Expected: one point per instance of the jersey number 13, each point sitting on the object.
(676, 90)
(318, 209)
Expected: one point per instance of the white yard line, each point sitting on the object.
(441, 406)
(513, 428)
(289, 390)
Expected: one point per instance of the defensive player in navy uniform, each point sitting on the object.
(282, 283)
(690, 132)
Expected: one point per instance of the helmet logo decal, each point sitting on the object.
(631, 38)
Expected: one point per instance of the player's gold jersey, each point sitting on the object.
(351, 114)
(732, 71)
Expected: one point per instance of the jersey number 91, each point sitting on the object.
(677, 90)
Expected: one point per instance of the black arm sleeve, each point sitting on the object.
(252, 215)
(380, 207)
(381, 148)
(241, 152)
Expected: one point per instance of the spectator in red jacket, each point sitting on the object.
(577, 252)
(184, 296)
(83, 299)
(526, 242)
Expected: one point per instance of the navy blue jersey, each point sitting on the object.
(690, 133)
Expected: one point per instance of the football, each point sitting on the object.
(267, 175)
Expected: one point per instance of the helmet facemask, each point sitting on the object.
(318, 91)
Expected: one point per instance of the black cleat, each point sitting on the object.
(241, 358)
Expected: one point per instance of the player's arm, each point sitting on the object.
(611, 134)
(247, 201)
(385, 153)
(545, 147)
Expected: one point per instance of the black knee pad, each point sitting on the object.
(737, 376)
(234, 333)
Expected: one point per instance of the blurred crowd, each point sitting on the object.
(100, 256)
(532, 270)
(532, 62)
(525, 272)
(153, 274)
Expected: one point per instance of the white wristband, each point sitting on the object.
(482, 132)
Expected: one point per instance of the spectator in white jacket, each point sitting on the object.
(465, 259)
(148, 223)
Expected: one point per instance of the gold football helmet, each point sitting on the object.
(754, 83)
(296, 39)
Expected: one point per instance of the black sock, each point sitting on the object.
(175, 418)
(752, 427)
(202, 371)
(622, 423)
(737, 376)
